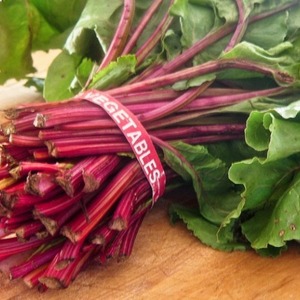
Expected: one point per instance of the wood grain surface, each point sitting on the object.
(167, 261)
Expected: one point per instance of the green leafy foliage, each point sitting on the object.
(259, 179)
(278, 223)
(182, 166)
(85, 29)
(27, 26)
(270, 182)
(60, 15)
(247, 191)
(98, 22)
(268, 131)
(115, 73)
(278, 57)
(15, 56)
(61, 74)
(204, 230)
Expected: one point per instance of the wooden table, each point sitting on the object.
(167, 261)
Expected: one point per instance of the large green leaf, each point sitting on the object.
(60, 14)
(115, 73)
(44, 36)
(60, 76)
(256, 134)
(221, 206)
(212, 171)
(294, 23)
(216, 197)
(268, 131)
(278, 59)
(181, 164)
(171, 44)
(91, 38)
(201, 17)
(97, 24)
(261, 180)
(197, 19)
(279, 223)
(15, 37)
(268, 32)
(205, 231)
(27, 26)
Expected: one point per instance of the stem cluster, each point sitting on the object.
(71, 190)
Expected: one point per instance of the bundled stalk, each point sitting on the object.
(79, 176)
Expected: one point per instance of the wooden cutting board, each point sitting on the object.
(167, 261)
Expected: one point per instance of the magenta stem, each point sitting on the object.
(11, 246)
(241, 27)
(121, 34)
(205, 68)
(34, 262)
(174, 105)
(56, 206)
(79, 228)
(141, 26)
(162, 27)
(29, 229)
(94, 176)
(71, 181)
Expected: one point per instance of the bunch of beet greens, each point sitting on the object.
(72, 188)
